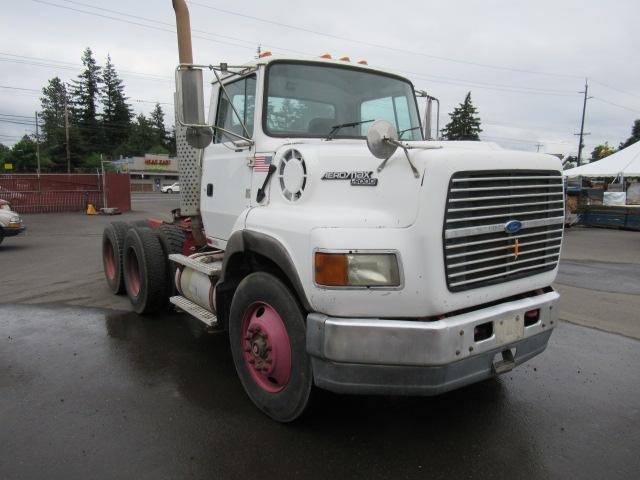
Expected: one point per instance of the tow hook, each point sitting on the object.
(506, 364)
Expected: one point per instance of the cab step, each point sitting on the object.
(205, 316)
(210, 265)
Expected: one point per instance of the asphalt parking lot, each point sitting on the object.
(90, 390)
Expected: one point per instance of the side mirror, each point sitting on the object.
(190, 96)
(382, 139)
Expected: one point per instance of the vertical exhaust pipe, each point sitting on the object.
(183, 26)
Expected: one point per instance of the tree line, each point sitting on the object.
(101, 124)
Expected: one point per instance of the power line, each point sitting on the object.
(615, 88)
(136, 23)
(615, 104)
(431, 78)
(376, 45)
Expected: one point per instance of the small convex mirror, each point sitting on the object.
(379, 132)
(190, 96)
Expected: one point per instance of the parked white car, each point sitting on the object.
(10, 222)
(175, 188)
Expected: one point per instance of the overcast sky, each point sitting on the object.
(524, 62)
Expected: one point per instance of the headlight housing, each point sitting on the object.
(357, 269)
(15, 219)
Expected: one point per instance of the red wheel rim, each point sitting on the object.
(133, 273)
(265, 347)
(110, 262)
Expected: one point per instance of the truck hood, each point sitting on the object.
(343, 188)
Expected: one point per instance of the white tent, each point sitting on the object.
(624, 163)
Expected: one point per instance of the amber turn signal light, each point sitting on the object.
(332, 269)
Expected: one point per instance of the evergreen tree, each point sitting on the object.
(116, 113)
(142, 138)
(85, 92)
(464, 124)
(635, 135)
(53, 132)
(157, 123)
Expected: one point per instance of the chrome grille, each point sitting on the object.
(477, 249)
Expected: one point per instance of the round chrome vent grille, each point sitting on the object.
(292, 173)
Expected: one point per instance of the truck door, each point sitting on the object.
(226, 174)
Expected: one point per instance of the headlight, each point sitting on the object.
(15, 220)
(357, 269)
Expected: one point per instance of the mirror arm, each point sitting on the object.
(224, 90)
(232, 134)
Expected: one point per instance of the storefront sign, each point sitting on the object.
(157, 163)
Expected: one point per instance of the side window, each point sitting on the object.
(394, 110)
(242, 94)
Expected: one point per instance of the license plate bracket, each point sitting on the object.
(509, 329)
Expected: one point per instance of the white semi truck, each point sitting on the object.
(337, 244)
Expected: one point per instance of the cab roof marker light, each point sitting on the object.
(266, 54)
(345, 59)
(326, 55)
(363, 62)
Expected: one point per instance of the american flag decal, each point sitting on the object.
(261, 163)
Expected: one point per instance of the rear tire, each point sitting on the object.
(112, 248)
(268, 343)
(145, 273)
(171, 240)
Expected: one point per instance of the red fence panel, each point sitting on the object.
(118, 188)
(31, 193)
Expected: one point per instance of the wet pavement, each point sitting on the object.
(91, 393)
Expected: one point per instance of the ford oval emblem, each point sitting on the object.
(513, 226)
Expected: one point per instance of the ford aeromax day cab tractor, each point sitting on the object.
(337, 244)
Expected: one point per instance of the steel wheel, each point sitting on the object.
(266, 347)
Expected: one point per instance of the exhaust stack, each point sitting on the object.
(183, 26)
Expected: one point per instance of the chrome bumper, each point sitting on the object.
(407, 356)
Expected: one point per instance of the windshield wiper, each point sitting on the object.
(402, 132)
(336, 128)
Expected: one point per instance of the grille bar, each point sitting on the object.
(497, 257)
(502, 197)
(497, 275)
(493, 240)
(484, 217)
(504, 264)
(493, 179)
(504, 247)
(499, 227)
(509, 187)
(478, 249)
(495, 207)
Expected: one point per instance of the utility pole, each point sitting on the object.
(584, 109)
(37, 145)
(66, 133)
(538, 145)
(259, 51)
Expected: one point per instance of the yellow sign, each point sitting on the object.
(8, 166)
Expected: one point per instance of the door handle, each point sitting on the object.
(209, 189)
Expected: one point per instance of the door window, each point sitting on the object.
(242, 94)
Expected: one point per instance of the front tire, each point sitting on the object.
(268, 343)
(169, 191)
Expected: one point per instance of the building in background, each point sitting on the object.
(151, 172)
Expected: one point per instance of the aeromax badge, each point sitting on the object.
(358, 179)
(513, 226)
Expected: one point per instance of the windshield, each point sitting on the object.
(308, 100)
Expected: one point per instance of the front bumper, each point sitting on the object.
(379, 356)
(13, 231)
